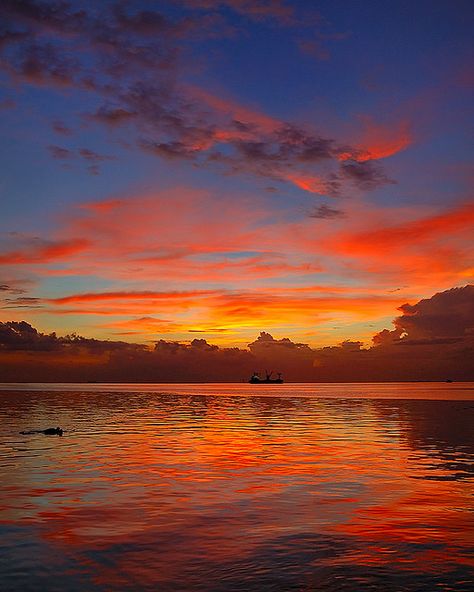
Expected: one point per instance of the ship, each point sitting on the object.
(255, 378)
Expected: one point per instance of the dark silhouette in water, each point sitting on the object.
(48, 432)
(255, 378)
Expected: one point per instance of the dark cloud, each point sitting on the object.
(315, 48)
(7, 37)
(386, 337)
(92, 158)
(203, 345)
(266, 343)
(170, 150)
(45, 64)
(60, 153)
(55, 16)
(285, 145)
(432, 340)
(11, 289)
(366, 175)
(132, 61)
(446, 315)
(112, 115)
(277, 154)
(60, 128)
(22, 302)
(258, 10)
(303, 146)
(21, 336)
(325, 212)
(144, 22)
(69, 46)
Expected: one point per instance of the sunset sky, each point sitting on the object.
(213, 169)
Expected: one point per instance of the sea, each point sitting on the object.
(237, 487)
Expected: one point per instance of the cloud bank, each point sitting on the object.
(431, 340)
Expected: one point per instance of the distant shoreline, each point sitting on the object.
(427, 391)
(286, 383)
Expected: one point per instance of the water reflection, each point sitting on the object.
(164, 492)
(440, 434)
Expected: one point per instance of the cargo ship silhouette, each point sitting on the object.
(255, 378)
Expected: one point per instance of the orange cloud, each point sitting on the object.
(143, 326)
(276, 149)
(378, 140)
(40, 252)
(425, 252)
(236, 110)
(229, 312)
(309, 183)
(194, 246)
(107, 296)
(382, 141)
(185, 267)
(411, 233)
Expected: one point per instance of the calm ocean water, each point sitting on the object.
(237, 487)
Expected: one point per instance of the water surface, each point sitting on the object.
(237, 487)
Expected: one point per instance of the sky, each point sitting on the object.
(207, 171)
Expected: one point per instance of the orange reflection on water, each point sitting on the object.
(160, 491)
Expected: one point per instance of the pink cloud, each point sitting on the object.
(175, 258)
(40, 252)
(381, 140)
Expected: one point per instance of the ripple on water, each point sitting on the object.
(208, 490)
